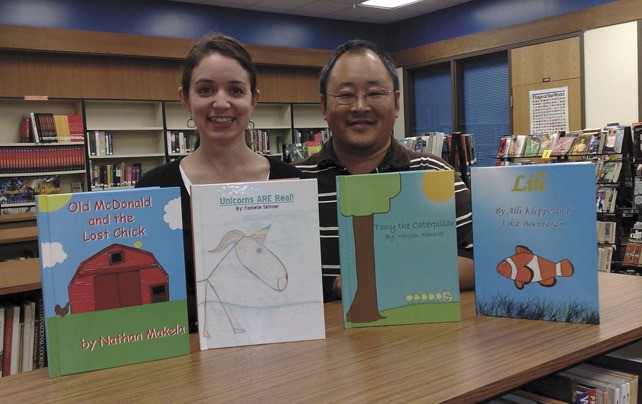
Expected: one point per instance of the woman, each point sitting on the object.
(218, 90)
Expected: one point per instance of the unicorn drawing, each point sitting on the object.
(255, 258)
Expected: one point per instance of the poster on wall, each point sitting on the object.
(549, 110)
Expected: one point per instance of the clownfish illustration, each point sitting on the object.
(524, 267)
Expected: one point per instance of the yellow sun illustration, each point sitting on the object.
(438, 186)
(53, 202)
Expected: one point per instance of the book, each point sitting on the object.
(606, 232)
(596, 140)
(563, 145)
(632, 254)
(21, 190)
(614, 136)
(524, 218)
(581, 145)
(533, 144)
(398, 220)
(113, 278)
(605, 199)
(519, 144)
(257, 262)
(501, 149)
(548, 142)
(610, 172)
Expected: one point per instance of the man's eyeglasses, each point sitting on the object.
(377, 96)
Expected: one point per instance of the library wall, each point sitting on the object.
(558, 66)
(611, 68)
(86, 76)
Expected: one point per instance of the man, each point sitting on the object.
(359, 91)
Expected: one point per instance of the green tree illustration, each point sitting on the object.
(361, 198)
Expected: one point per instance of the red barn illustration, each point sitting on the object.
(118, 276)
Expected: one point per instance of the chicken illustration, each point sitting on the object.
(525, 267)
(62, 311)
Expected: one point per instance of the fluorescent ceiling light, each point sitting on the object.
(387, 3)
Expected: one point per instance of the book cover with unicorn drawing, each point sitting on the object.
(257, 261)
(113, 278)
(535, 238)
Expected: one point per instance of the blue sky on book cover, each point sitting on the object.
(535, 239)
(91, 241)
(414, 241)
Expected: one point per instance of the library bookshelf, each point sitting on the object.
(468, 361)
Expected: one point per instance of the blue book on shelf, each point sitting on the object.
(535, 241)
(398, 248)
(113, 278)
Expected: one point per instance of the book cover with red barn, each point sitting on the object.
(113, 278)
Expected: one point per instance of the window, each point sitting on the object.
(433, 100)
(116, 257)
(484, 102)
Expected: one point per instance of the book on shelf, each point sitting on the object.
(632, 254)
(23, 190)
(41, 158)
(518, 145)
(257, 262)
(548, 142)
(181, 142)
(533, 144)
(123, 174)
(526, 269)
(563, 145)
(596, 140)
(398, 220)
(113, 278)
(605, 199)
(613, 138)
(503, 146)
(614, 384)
(38, 127)
(100, 143)
(604, 257)
(609, 172)
(581, 144)
(606, 232)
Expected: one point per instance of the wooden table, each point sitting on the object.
(467, 361)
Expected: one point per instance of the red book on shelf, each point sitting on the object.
(8, 335)
(76, 129)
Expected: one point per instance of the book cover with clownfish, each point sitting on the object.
(535, 242)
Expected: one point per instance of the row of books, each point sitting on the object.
(115, 175)
(441, 144)
(258, 140)
(23, 190)
(22, 336)
(319, 135)
(27, 159)
(597, 381)
(100, 143)
(298, 151)
(43, 127)
(606, 140)
(179, 142)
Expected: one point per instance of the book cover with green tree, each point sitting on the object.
(398, 249)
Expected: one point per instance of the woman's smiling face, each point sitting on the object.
(220, 98)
